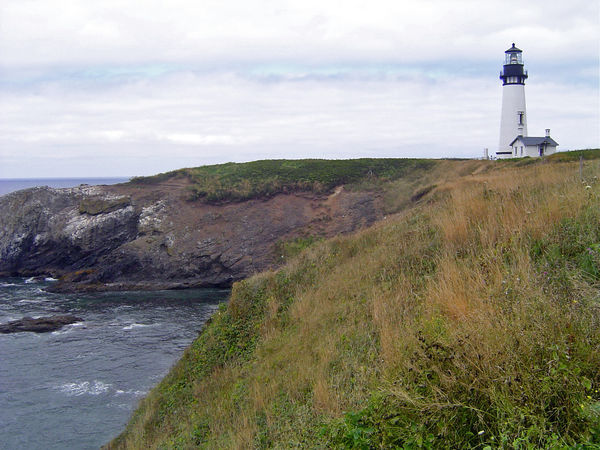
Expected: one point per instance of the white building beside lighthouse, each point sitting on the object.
(514, 141)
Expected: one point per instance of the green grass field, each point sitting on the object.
(243, 181)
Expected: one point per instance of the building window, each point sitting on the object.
(521, 150)
(521, 115)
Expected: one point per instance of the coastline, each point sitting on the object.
(8, 185)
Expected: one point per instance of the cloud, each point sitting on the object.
(188, 119)
(308, 31)
(159, 85)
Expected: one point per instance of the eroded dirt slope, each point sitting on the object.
(130, 236)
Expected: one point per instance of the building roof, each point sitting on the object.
(514, 49)
(532, 140)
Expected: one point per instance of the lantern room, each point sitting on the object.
(513, 55)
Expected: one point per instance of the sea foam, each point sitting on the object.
(85, 387)
(136, 325)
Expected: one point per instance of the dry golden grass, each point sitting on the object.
(441, 311)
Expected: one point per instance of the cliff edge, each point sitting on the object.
(155, 233)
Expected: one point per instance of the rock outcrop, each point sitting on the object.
(152, 237)
(39, 325)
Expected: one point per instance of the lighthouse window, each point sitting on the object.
(521, 114)
(521, 150)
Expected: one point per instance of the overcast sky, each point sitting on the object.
(123, 88)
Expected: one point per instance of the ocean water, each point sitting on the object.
(8, 185)
(76, 388)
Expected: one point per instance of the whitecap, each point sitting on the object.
(130, 392)
(85, 387)
(50, 279)
(135, 325)
(30, 280)
(59, 332)
(67, 328)
(26, 300)
(8, 284)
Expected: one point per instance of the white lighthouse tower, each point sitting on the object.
(513, 122)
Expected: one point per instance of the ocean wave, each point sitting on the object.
(26, 300)
(136, 325)
(59, 332)
(130, 392)
(50, 279)
(67, 328)
(96, 387)
(30, 280)
(8, 284)
(85, 387)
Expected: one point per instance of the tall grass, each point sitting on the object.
(471, 321)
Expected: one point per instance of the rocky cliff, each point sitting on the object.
(136, 236)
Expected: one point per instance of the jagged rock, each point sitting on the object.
(39, 325)
(134, 236)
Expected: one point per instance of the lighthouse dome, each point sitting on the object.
(514, 49)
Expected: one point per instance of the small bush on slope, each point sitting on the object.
(470, 322)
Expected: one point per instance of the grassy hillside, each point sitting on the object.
(242, 181)
(470, 321)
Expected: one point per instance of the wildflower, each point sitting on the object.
(588, 187)
(481, 432)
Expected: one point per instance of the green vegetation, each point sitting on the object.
(286, 249)
(243, 181)
(564, 156)
(470, 321)
(574, 155)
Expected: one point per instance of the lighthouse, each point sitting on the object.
(514, 141)
(513, 122)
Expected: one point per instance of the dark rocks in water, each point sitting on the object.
(39, 325)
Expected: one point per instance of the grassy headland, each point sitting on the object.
(243, 181)
(469, 321)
